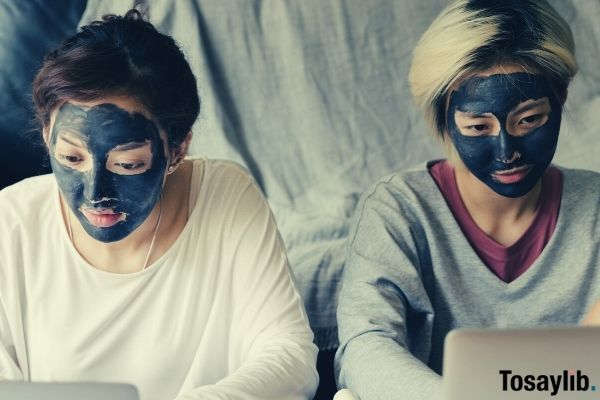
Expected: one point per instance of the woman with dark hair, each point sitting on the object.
(131, 263)
(495, 236)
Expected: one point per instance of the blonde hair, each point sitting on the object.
(475, 35)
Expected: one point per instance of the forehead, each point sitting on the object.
(104, 122)
(110, 121)
(500, 91)
(124, 102)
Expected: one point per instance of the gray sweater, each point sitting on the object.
(411, 277)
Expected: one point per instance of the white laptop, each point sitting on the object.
(66, 391)
(549, 363)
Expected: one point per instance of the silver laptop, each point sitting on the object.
(550, 363)
(67, 391)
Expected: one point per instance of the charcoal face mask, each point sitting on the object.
(102, 128)
(484, 155)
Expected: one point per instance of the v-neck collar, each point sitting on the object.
(458, 234)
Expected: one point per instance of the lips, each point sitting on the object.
(102, 218)
(512, 175)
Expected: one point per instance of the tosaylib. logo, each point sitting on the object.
(567, 381)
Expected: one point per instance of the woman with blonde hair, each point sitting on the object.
(495, 236)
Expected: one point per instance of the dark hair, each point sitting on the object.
(121, 56)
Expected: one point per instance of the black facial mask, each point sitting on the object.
(486, 155)
(101, 128)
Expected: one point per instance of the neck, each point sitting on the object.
(109, 256)
(502, 218)
(129, 254)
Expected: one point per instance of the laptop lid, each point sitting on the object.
(549, 363)
(67, 391)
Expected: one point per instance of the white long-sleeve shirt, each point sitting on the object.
(216, 317)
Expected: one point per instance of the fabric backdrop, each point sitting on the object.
(312, 97)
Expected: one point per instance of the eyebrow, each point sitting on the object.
(535, 103)
(131, 146)
(74, 142)
(471, 114)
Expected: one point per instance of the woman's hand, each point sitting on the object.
(593, 316)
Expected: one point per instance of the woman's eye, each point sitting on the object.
(478, 128)
(127, 166)
(531, 119)
(131, 166)
(70, 158)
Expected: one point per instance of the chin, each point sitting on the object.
(107, 235)
(514, 190)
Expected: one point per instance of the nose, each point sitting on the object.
(99, 185)
(506, 150)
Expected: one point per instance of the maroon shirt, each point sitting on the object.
(507, 262)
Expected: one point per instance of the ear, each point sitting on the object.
(185, 145)
(178, 154)
(181, 151)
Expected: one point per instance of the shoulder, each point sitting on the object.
(231, 202)
(227, 192)
(581, 194)
(411, 183)
(222, 174)
(397, 203)
(36, 185)
(580, 185)
(28, 200)
(402, 190)
(580, 179)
